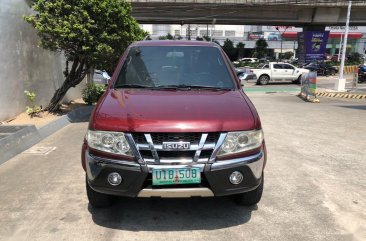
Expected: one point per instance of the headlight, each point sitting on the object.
(240, 141)
(113, 142)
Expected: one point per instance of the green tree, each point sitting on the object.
(286, 55)
(230, 50)
(355, 58)
(260, 50)
(240, 50)
(91, 34)
(165, 37)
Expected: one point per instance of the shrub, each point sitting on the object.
(92, 92)
(32, 110)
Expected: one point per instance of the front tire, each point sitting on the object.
(250, 198)
(96, 199)
(297, 81)
(263, 80)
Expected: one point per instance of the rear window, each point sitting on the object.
(153, 66)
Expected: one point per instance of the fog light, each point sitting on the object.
(114, 179)
(236, 178)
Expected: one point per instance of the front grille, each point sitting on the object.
(146, 151)
(206, 153)
(139, 138)
(159, 138)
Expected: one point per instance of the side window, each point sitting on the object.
(266, 66)
(287, 66)
(277, 66)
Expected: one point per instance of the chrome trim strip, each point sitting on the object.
(104, 160)
(134, 148)
(176, 192)
(208, 146)
(176, 161)
(220, 141)
(152, 147)
(200, 147)
(254, 162)
(150, 167)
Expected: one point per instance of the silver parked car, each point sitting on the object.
(101, 77)
(244, 74)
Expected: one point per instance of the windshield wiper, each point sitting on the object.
(131, 86)
(210, 87)
(172, 87)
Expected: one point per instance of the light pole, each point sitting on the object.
(340, 47)
(340, 83)
(213, 27)
(281, 34)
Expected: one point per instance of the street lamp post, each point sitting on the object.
(281, 34)
(340, 83)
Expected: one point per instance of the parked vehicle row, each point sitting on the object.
(321, 68)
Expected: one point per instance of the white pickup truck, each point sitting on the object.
(276, 71)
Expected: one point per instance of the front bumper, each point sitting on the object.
(137, 178)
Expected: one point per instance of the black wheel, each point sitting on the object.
(263, 80)
(250, 198)
(98, 200)
(297, 81)
(332, 72)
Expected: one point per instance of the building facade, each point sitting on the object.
(276, 36)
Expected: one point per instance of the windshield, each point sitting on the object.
(169, 66)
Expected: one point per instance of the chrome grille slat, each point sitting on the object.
(150, 148)
(200, 147)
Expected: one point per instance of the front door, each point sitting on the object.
(278, 73)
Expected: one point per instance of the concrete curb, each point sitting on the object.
(341, 95)
(29, 135)
(18, 142)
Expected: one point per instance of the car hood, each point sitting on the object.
(137, 110)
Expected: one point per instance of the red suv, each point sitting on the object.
(174, 122)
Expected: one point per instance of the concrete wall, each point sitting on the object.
(23, 65)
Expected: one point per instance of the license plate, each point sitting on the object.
(176, 176)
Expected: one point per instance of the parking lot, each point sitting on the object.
(315, 186)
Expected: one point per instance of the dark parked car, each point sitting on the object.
(321, 68)
(362, 74)
(174, 122)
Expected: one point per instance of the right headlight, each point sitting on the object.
(240, 141)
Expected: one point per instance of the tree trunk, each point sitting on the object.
(76, 75)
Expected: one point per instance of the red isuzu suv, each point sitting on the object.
(174, 122)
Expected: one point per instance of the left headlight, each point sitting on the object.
(241, 141)
(108, 141)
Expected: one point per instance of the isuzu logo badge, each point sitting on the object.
(176, 145)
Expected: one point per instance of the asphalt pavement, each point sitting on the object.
(315, 186)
